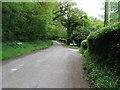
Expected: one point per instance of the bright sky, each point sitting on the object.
(91, 7)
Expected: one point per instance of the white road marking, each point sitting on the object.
(16, 69)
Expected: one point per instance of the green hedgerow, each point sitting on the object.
(103, 57)
(83, 46)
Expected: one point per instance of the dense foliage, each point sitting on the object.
(95, 24)
(83, 46)
(72, 19)
(26, 21)
(80, 34)
(103, 42)
(99, 75)
(103, 50)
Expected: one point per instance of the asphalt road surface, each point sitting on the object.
(54, 67)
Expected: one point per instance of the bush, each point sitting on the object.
(83, 46)
(103, 57)
(105, 43)
(79, 36)
(62, 40)
(99, 42)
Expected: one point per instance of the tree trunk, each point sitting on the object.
(106, 12)
(68, 37)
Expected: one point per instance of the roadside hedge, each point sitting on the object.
(105, 44)
(103, 57)
(101, 41)
(83, 46)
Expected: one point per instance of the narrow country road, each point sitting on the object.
(54, 67)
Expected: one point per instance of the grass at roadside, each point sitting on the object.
(99, 75)
(12, 49)
(74, 47)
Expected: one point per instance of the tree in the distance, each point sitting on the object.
(71, 18)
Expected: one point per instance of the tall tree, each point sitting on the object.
(71, 18)
(65, 13)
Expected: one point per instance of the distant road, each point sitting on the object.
(54, 67)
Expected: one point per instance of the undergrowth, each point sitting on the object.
(98, 74)
(100, 77)
(102, 52)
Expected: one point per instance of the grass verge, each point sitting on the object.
(74, 47)
(99, 75)
(12, 49)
